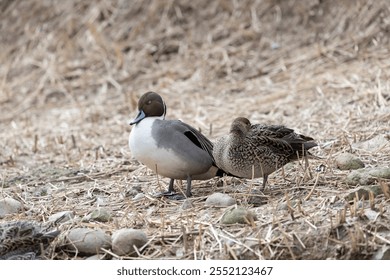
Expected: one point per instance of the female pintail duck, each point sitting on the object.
(170, 148)
(24, 240)
(252, 151)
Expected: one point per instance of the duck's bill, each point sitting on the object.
(138, 118)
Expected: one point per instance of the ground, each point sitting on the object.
(71, 75)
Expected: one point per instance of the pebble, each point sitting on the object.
(95, 257)
(61, 217)
(124, 239)
(371, 214)
(100, 201)
(9, 206)
(380, 172)
(373, 144)
(367, 176)
(238, 216)
(187, 204)
(364, 192)
(138, 196)
(285, 206)
(101, 215)
(347, 161)
(180, 252)
(382, 254)
(220, 200)
(88, 241)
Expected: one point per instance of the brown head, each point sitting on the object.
(150, 104)
(240, 126)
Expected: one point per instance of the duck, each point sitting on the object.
(24, 240)
(170, 148)
(257, 150)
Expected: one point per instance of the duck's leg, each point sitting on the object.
(265, 178)
(188, 190)
(170, 188)
(171, 194)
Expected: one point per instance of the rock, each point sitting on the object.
(380, 172)
(138, 196)
(282, 206)
(359, 176)
(367, 176)
(124, 239)
(101, 215)
(61, 217)
(95, 257)
(289, 166)
(371, 214)
(101, 201)
(373, 144)
(347, 161)
(256, 198)
(9, 206)
(364, 192)
(187, 204)
(88, 241)
(220, 200)
(238, 215)
(382, 254)
(180, 252)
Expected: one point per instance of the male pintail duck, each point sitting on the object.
(252, 151)
(24, 240)
(170, 148)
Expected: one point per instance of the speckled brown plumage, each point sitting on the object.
(251, 151)
(23, 240)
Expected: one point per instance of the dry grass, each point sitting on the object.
(71, 73)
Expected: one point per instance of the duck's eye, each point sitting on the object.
(149, 102)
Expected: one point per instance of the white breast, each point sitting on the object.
(140, 139)
(144, 148)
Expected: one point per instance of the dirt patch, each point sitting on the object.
(71, 74)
